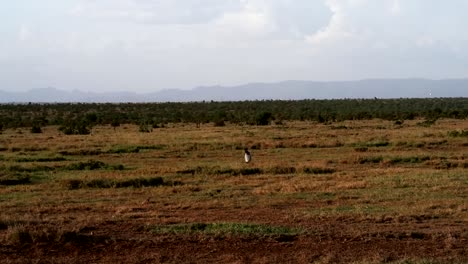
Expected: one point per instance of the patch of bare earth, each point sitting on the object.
(338, 239)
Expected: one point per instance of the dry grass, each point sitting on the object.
(361, 170)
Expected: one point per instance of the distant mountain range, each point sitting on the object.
(286, 90)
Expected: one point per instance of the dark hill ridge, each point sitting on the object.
(286, 90)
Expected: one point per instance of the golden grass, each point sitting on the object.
(437, 187)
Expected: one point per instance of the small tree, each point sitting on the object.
(264, 119)
(76, 127)
(145, 127)
(36, 129)
(115, 123)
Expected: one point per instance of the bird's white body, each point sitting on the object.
(247, 156)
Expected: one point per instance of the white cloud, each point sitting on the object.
(254, 19)
(24, 33)
(395, 7)
(337, 28)
(156, 12)
(156, 44)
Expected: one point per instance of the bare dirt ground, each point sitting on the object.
(332, 240)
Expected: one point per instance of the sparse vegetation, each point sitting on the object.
(225, 229)
(311, 188)
(74, 184)
(93, 165)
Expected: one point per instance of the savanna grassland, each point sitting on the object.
(368, 191)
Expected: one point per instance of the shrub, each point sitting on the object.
(73, 184)
(427, 123)
(264, 119)
(145, 128)
(76, 127)
(36, 129)
(115, 123)
(219, 123)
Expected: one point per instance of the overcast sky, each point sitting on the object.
(149, 45)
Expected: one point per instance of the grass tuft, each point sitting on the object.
(93, 165)
(15, 180)
(456, 133)
(313, 170)
(237, 229)
(75, 184)
(415, 159)
(364, 160)
(40, 159)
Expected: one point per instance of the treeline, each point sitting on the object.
(79, 117)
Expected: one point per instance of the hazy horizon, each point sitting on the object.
(147, 46)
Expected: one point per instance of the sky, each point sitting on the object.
(151, 45)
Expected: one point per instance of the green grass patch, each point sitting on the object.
(93, 165)
(364, 160)
(282, 170)
(252, 171)
(82, 152)
(134, 149)
(17, 168)
(74, 184)
(226, 229)
(9, 178)
(316, 170)
(15, 180)
(415, 159)
(221, 171)
(458, 133)
(371, 144)
(40, 159)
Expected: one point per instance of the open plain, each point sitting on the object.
(370, 191)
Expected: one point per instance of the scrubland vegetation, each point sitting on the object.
(324, 191)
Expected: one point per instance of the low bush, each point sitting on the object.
(36, 129)
(427, 123)
(76, 127)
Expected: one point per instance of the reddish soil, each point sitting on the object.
(326, 240)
